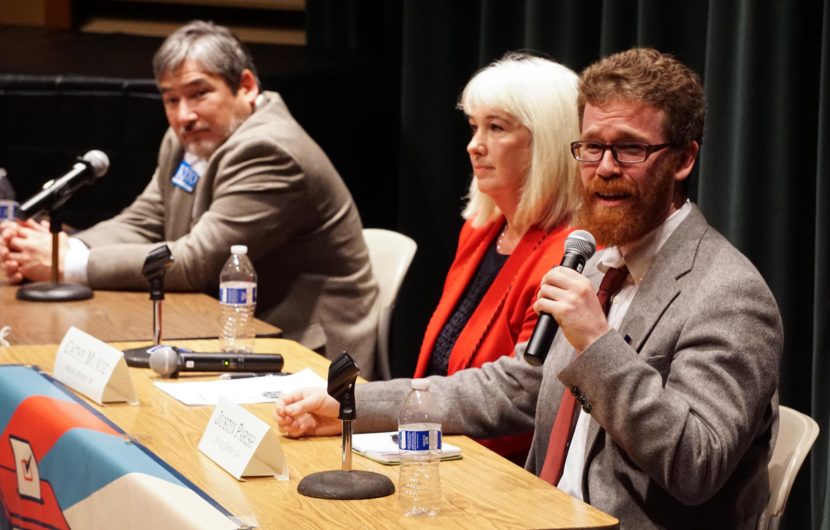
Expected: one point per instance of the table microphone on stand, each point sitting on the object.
(51, 198)
(346, 484)
(154, 269)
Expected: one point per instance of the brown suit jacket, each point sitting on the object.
(271, 187)
(682, 398)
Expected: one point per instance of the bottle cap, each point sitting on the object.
(239, 249)
(420, 384)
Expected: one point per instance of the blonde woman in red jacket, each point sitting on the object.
(523, 115)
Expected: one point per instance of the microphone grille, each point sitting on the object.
(163, 360)
(99, 161)
(581, 242)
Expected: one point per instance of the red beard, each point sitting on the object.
(641, 211)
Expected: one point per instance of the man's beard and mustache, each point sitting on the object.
(641, 212)
(205, 147)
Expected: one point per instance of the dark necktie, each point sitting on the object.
(560, 436)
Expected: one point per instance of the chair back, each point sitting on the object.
(391, 254)
(796, 434)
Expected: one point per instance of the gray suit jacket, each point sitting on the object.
(682, 398)
(271, 187)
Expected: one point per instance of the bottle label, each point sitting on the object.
(8, 210)
(238, 295)
(419, 440)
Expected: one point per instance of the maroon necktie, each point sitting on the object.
(560, 435)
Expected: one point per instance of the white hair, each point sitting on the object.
(542, 95)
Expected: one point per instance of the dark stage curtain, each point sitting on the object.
(762, 177)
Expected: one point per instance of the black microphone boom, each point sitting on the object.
(579, 247)
(167, 362)
(55, 193)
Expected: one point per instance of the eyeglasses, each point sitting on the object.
(624, 153)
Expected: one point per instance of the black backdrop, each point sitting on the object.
(762, 179)
(377, 87)
(65, 92)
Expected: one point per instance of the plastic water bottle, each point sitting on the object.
(6, 189)
(8, 206)
(419, 441)
(237, 298)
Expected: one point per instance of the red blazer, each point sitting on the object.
(505, 315)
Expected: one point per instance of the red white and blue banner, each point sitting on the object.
(64, 465)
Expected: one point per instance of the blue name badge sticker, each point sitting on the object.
(185, 178)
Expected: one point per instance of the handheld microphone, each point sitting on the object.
(168, 362)
(579, 247)
(55, 193)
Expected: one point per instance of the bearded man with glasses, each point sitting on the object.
(677, 384)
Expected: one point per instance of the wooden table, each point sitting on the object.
(114, 315)
(482, 490)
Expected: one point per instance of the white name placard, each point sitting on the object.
(93, 368)
(242, 444)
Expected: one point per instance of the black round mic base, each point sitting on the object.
(346, 485)
(53, 292)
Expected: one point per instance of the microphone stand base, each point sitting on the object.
(53, 292)
(346, 485)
